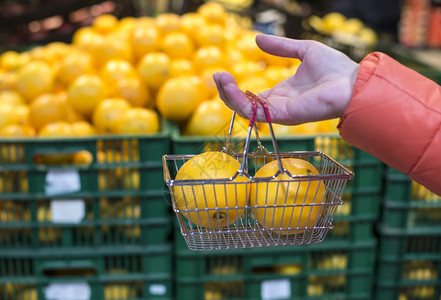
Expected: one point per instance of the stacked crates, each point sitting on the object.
(409, 258)
(86, 217)
(341, 267)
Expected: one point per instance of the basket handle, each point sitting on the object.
(254, 98)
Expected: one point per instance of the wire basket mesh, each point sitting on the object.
(292, 202)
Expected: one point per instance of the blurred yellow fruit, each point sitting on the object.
(85, 93)
(368, 37)
(191, 22)
(75, 64)
(144, 39)
(134, 90)
(154, 69)
(213, 12)
(208, 57)
(273, 60)
(276, 74)
(82, 157)
(87, 39)
(177, 45)
(207, 79)
(22, 113)
(34, 79)
(333, 21)
(255, 84)
(211, 118)
(110, 48)
(168, 22)
(8, 81)
(306, 128)
(7, 115)
(109, 113)
(104, 23)
(11, 97)
(178, 97)
(181, 66)
(55, 51)
(327, 126)
(15, 130)
(139, 120)
(56, 129)
(233, 56)
(245, 69)
(82, 128)
(47, 108)
(247, 45)
(212, 34)
(351, 26)
(12, 60)
(115, 70)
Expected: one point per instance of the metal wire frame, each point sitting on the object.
(246, 231)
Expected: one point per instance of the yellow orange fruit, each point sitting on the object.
(178, 97)
(110, 48)
(83, 128)
(246, 43)
(211, 118)
(109, 113)
(168, 22)
(181, 66)
(144, 39)
(86, 92)
(213, 35)
(276, 74)
(154, 69)
(8, 80)
(75, 64)
(115, 70)
(11, 97)
(12, 60)
(208, 81)
(191, 22)
(245, 69)
(280, 206)
(177, 45)
(208, 57)
(34, 79)
(47, 108)
(256, 84)
(16, 130)
(87, 39)
(213, 12)
(139, 120)
(230, 199)
(105, 23)
(56, 129)
(134, 90)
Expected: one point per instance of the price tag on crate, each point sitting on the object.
(62, 182)
(68, 291)
(275, 289)
(67, 210)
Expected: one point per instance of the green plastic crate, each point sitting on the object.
(116, 198)
(103, 273)
(409, 205)
(339, 270)
(409, 264)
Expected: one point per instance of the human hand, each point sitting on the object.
(319, 90)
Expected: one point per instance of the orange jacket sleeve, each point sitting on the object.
(395, 115)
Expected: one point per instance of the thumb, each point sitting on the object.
(284, 47)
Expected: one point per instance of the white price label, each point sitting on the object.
(68, 211)
(62, 181)
(68, 291)
(157, 289)
(276, 289)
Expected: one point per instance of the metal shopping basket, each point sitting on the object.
(248, 210)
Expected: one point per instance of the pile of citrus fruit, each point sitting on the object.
(120, 76)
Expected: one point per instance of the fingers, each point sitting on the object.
(284, 47)
(230, 93)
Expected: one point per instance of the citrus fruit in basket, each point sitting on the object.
(270, 198)
(211, 205)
